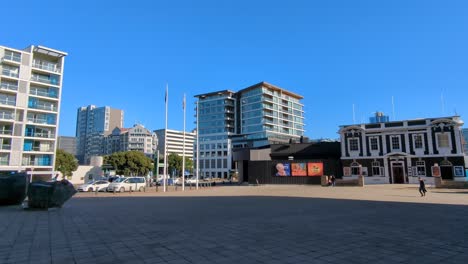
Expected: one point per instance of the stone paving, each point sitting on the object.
(244, 224)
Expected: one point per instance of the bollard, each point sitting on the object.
(97, 190)
(130, 189)
(156, 188)
(113, 190)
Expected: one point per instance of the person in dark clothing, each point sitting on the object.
(422, 187)
(332, 179)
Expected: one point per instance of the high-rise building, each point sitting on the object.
(465, 140)
(175, 142)
(256, 116)
(30, 94)
(92, 125)
(67, 144)
(137, 138)
(379, 117)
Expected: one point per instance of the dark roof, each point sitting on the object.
(306, 150)
(271, 86)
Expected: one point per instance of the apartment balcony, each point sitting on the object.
(6, 132)
(44, 106)
(7, 116)
(9, 86)
(41, 135)
(5, 147)
(45, 79)
(12, 58)
(42, 121)
(6, 101)
(4, 161)
(10, 73)
(41, 161)
(50, 93)
(46, 65)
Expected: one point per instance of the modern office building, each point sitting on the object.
(257, 116)
(67, 144)
(175, 142)
(30, 94)
(92, 125)
(136, 138)
(402, 151)
(379, 117)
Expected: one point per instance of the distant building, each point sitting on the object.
(175, 142)
(379, 118)
(465, 139)
(259, 115)
(402, 151)
(92, 125)
(30, 96)
(136, 138)
(67, 144)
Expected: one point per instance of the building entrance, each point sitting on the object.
(398, 173)
(446, 172)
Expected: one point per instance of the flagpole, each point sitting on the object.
(183, 151)
(198, 143)
(165, 141)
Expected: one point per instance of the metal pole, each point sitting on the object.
(198, 142)
(165, 142)
(183, 152)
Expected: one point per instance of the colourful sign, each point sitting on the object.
(299, 169)
(315, 168)
(282, 169)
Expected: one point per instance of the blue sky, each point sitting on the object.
(335, 53)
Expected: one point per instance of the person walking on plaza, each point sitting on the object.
(332, 179)
(422, 187)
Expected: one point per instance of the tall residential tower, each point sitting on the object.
(92, 125)
(30, 93)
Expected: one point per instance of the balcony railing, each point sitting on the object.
(36, 163)
(5, 147)
(6, 132)
(12, 57)
(43, 93)
(7, 116)
(47, 107)
(4, 162)
(45, 65)
(9, 86)
(7, 102)
(41, 148)
(41, 135)
(43, 79)
(10, 73)
(40, 121)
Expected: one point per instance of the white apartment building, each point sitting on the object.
(30, 94)
(175, 142)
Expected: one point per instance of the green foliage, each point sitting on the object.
(129, 163)
(174, 161)
(65, 162)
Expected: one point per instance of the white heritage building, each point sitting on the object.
(402, 151)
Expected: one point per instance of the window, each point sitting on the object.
(355, 169)
(376, 170)
(420, 168)
(374, 145)
(443, 140)
(395, 142)
(418, 141)
(353, 144)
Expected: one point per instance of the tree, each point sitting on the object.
(188, 164)
(129, 163)
(65, 162)
(174, 162)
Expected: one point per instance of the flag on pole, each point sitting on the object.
(183, 103)
(165, 96)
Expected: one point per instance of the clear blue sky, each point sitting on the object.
(334, 53)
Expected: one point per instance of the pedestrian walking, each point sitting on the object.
(333, 179)
(422, 187)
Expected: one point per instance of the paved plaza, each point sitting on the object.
(244, 224)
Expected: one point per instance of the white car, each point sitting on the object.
(127, 184)
(92, 186)
(192, 180)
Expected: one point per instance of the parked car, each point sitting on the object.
(125, 184)
(92, 186)
(192, 180)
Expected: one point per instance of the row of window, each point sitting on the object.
(443, 141)
(213, 164)
(418, 169)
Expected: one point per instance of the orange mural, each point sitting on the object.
(315, 168)
(299, 169)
